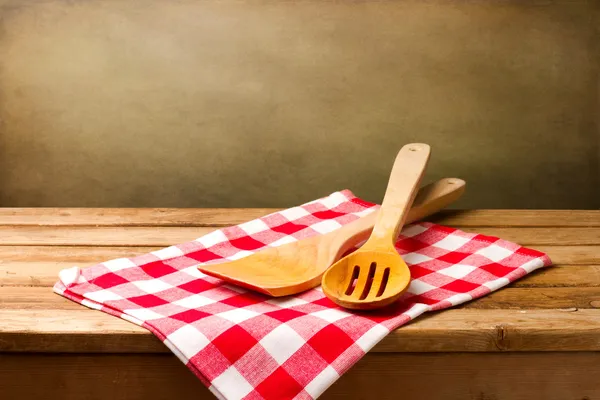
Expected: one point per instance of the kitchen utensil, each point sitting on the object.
(295, 267)
(375, 275)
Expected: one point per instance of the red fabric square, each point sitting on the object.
(157, 269)
(285, 314)
(203, 255)
(460, 286)
(244, 300)
(148, 301)
(190, 316)
(288, 228)
(409, 245)
(530, 252)
(197, 286)
(485, 238)
(246, 243)
(330, 342)
(109, 280)
(453, 257)
(496, 269)
(329, 214)
(234, 343)
(417, 272)
(279, 385)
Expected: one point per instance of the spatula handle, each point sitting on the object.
(407, 172)
(430, 199)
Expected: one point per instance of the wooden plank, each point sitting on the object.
(217, 217)
(74, 254)
(454, 330)
(561, 276)
(99, 236)
(45, 273)
(189, 217)
(581, 255)
(166, 236)
(482, 376)
(32, 297)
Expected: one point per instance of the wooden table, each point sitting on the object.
(539, 338)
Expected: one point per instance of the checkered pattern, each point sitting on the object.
(244, 345)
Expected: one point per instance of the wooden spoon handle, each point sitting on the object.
(430, 199)
(407, 172)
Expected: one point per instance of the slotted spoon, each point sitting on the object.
(375, 275)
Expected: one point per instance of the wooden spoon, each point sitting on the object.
(375, 275)
(295, 267)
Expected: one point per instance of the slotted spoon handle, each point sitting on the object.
(407, 172)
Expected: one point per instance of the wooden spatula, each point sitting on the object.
(375, 275)
(295, 267)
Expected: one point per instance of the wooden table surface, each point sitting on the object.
(537, 338)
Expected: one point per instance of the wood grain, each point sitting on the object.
(166, 236)
(33, 297)
(583, 255)
(72, 254)
(218, 217)
(460, 376)
(45, 274)
(454, 330)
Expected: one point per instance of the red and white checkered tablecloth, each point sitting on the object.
(244, 345)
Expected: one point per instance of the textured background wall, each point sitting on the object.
(269, 103)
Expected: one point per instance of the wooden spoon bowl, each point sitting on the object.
(367, 279)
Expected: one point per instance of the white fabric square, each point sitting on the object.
(417, 310)
(413, 230)
(419, 287)
(210, 239)
(237, 315)
(194, 301)
(459, 298)
(532, 265)
(69, 276)
(188, 340)
(239, 254)
(119, 264)
(232, 385)
(194, 271)
(169, 252)
(496, 284)
(101, 296)
(294, 213)
(457, 271)
(286, 302)
(321, 382)
(494, 252)
(331, 314)
(91, 304)
(282, 342)
(254, 226)
(152, 285)
(452, 242)
(143, 314)
(326, 226)
(334, 200)
(372, 337)
(284, 240)
(415, 258)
